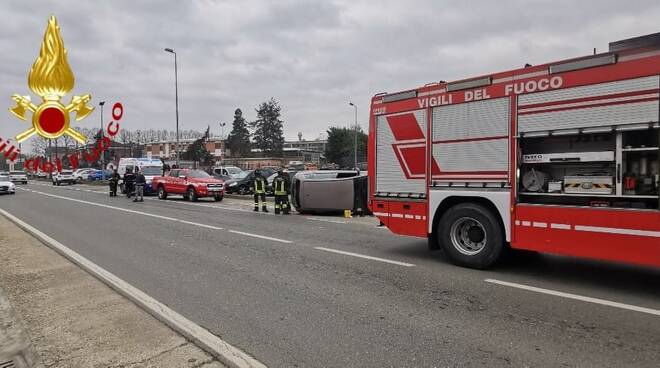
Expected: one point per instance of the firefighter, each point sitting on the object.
(129, 182)
(259, 188)
(281, 189)
(114, 181)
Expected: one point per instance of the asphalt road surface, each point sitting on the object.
(302, 291)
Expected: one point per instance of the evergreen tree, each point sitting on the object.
(341, 146)
(268, 132)
(197, 150)
(238, 140)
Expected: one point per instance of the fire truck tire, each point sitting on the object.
(471, 236)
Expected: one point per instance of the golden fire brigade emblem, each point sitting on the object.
(51, 78)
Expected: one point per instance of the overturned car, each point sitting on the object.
(330, 191)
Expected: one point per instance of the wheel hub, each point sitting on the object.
(468, 236)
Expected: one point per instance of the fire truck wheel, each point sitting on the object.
(471, 236)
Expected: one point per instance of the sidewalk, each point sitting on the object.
(74, 320)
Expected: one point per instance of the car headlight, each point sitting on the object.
(12, 186)
(233, 184)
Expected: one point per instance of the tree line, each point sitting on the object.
(125, 136)
(264, 133)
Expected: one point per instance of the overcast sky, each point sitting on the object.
(312, 56)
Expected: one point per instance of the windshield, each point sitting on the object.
(198, 174)
(151, 170)
(233, 170)
(17, 173)
(67, 172)
(4, 178)
(242, 174)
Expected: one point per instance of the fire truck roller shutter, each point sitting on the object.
(400, 153)
(599, 105)
(472, 138)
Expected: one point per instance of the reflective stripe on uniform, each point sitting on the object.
(259, 187)
(279, 187)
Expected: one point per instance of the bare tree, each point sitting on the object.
(38, 145)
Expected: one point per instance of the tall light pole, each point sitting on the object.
(355, 135)
(101, 103)
(176, 97)
(222, 143)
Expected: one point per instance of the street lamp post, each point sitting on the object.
(222, 141)
(355, 135)
(101, 103)
(176, 97)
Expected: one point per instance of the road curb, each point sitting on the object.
(223, 351)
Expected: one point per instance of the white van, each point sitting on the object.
(149, 167)
(228, 170)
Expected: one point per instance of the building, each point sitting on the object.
(167, 149)
(115, 152)
(317, 145)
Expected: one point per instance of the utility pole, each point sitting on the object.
(101, 135)
(176, 98)
(355, 135)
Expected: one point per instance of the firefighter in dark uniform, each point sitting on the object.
(281, 188)
(259, 188)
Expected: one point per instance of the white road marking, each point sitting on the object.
(576, 297)
(261, 236)
(326, 220)
(540, 224)
(560, 226)
(130, 211)
(365, 257)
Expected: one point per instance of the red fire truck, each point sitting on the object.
(560, 158)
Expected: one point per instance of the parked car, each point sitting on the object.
(6, 186)
(81, 175)
(241, 183)
(231, 171)
(330, 191)
(98, 175)
(65, 176)
(192, 184)
(41, 175)
(18, 177)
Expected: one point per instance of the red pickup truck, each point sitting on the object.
(192, 184)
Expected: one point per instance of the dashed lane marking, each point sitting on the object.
(126, 210)
(576, 297)
(365, 257)
(261, 236)
(326, 220)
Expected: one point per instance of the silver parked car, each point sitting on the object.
(329, 191)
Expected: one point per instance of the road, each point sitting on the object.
(303, 291)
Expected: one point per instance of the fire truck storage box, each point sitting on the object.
(588, 184)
